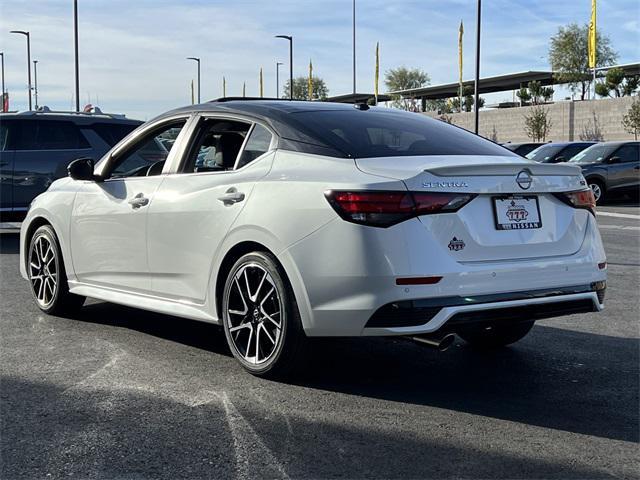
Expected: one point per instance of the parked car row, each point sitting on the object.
(37, 146)
(610, 168)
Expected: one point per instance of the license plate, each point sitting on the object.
(517, 212)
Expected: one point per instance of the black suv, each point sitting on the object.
(611, 167)
(37, 146)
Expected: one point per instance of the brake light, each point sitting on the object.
(580, 199)
(383, 209)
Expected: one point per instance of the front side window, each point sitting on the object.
(258, 144)
(147, 156)
(627, 153)
(41, 134)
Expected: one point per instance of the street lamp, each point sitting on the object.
(290, 38)
(26, 34)
(354, 47)
(278, 78)
(35, 81)
(196, 59)
(77, 56)
(476, 102)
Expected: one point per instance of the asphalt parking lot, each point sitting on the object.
(121, 393)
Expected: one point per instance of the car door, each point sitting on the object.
(623, 167)
(108, 224)
(6, 166)
(195, 206)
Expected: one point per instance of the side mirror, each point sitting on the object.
(614, 160)
(81, 169)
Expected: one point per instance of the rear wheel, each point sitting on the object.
(261, 319)
(47, 275)
(598, 190)
(496, 336)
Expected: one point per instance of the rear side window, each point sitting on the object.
(380, 133)
(112, 133)
(257, 144)
(627, 153)
(46, 135)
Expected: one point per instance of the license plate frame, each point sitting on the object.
(517, 224)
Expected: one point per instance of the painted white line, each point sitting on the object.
(617, 227)
(618, 215)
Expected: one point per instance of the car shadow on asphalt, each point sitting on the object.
(555, 378)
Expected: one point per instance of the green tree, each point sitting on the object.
(301, 89)
(468, 100)
(535, 93)
(537, 123)
(631, 120)
(568, 56)
(403, 78)
(617, 84)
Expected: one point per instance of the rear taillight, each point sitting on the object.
(580, 199)
(383, 209)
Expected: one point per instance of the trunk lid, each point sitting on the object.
(504, 186)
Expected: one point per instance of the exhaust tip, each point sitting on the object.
(440, 343)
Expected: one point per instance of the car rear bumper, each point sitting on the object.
(344, 275)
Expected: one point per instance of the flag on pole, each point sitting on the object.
(261, 84)
(377, 74)
(5, 102)
(310, 83)
(460, 34)
(592, 36)
(224, 87)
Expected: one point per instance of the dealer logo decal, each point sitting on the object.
(516, 213)
(456, 245)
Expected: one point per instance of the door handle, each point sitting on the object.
(231, 196)
(139, 201)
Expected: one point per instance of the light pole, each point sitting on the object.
(354, 46)
(26, 34)
(196, 59)
(477, 82)
(77, 55)
(278, 78)
(290, 38)
(35, 81)
(2, 58)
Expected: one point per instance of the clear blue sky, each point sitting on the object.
(133, 52)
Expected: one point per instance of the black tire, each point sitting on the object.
(47, 276)
(496, 336)
(284, 348)
(598, 189)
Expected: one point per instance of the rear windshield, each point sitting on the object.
(376, 133)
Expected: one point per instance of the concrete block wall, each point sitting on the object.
(568, 120)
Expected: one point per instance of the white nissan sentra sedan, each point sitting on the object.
(287, 220)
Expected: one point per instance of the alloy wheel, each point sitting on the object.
(254, 309)
(43, 271)
(597, 191)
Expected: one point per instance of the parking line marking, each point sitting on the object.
(618, 215)
(617, 227)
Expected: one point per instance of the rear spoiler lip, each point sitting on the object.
(505, 170)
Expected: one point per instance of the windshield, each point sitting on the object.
(381, 133)
(593, 154)
(544, 153)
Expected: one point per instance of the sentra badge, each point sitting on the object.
(445, 184)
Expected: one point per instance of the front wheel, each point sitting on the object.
(496, 336)
(47, 275)
(598, 191)
(261, 319)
